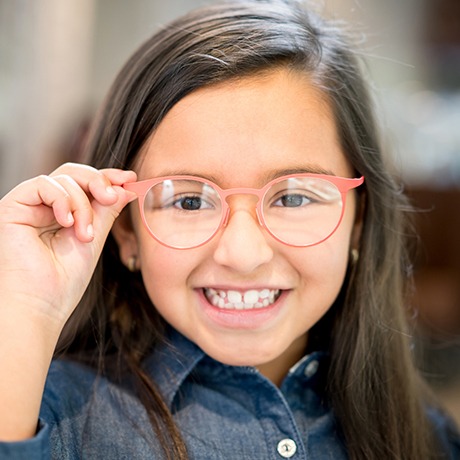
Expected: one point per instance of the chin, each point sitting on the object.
(240, 354)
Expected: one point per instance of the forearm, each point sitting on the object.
(26, 348)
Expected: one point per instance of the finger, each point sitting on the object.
(102, 186)
(98, 183)
(80, 207)
(29, 203)
(86, 209)
(119, 176)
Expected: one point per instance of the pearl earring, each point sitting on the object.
(354, 256)
(132, 264)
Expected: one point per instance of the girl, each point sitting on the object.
(250, 304)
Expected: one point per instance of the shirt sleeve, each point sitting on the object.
(36, 448)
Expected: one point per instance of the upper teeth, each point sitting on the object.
(241, 300)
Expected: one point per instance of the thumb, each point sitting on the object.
(105, 215)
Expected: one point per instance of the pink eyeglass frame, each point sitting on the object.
(343, 184)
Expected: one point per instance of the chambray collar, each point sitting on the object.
(173, 361)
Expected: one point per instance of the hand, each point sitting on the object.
(52, 231)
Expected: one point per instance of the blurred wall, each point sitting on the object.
(57, 59)
(45, 50)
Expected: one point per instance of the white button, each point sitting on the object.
(287, 448)
(311, 369)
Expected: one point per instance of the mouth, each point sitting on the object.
(241, 300)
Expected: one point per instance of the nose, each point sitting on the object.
(242, 245)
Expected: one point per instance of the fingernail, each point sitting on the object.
(70, 218)
(90, 230)
(110, 190)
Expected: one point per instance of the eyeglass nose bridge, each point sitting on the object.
(225, 194)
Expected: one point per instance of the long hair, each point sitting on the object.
(373, 386)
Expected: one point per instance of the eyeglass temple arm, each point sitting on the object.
(345, 184)
(137, 187)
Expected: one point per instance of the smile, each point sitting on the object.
(241, 300)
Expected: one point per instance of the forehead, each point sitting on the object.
(242, 132)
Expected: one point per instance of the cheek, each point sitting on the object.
(322, 269)
(165, 272)
(159, 266)
(322, 273)
(325, 264)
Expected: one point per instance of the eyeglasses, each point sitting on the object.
(185, 212)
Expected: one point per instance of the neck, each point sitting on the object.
(277, 369)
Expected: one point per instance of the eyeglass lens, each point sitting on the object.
(299, 211)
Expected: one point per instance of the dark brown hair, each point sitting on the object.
(372, 386)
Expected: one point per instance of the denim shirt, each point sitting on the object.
(223, 412)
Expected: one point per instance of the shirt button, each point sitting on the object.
(311, 369)
(287, 448)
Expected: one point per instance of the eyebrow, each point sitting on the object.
(269, 176)
(311, 169)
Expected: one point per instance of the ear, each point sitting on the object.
(123, 232)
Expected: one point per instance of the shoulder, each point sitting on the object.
(87, 415)
(74, 389)
(446, 431)
(67, 375)
(68, 388)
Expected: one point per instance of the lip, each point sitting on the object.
(250, 319)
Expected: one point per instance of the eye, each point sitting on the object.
(191, 203)
(292, 200)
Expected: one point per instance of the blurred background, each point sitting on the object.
(57, 59)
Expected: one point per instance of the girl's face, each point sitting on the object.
(243, 134)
